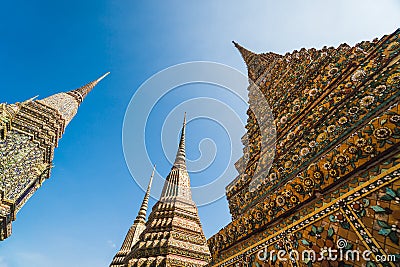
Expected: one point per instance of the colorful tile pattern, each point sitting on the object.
(337, 119)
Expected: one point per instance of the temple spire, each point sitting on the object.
(256, 64)
(80, 93)
(29, 134)
(143, 208)
(247, 55)
(67, 104)
(177, 183)
(180, 160)
(136, 229)
(173, 234)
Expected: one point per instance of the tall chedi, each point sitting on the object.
(173, 234)
(29, 133)
(334, 181)
(138, 226)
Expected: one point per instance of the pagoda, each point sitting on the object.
(334, 181)
(29, 133)
(173, 235)
(138, 226)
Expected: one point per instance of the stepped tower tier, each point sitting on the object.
(29, 133)
(173, 234)
(132, 237)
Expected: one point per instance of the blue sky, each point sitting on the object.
(81, 214)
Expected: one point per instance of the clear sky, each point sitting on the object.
(80, 216)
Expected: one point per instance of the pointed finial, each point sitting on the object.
(247, 55)
(261, 61)
(180, 160)
(102, 77)
(80, 93)
(143, 208)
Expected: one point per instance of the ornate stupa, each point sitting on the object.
(29, 133)
(334, 182)
(173, 235)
